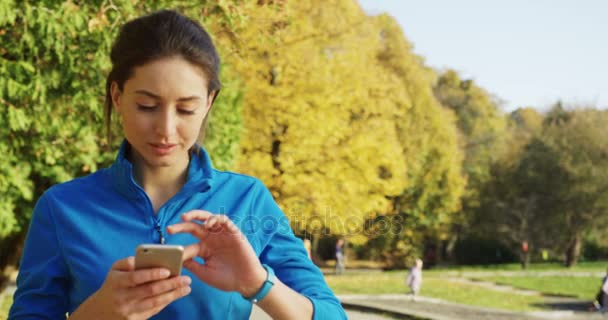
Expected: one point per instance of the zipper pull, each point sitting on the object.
(160, 233)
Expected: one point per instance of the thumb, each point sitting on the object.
(126, 264)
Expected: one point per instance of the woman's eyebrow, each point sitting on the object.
(157, 97)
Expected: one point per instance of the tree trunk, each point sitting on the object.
(573, 251)
(451, 245)
(10, 253)
(314, 248)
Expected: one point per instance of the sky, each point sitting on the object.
(527, 53)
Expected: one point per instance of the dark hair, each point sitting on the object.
(159, 35)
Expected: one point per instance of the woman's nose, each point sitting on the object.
(166, 124)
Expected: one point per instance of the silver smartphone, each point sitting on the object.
(160, 256)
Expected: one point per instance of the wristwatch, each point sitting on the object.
(270, 279)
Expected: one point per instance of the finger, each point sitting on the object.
(220, 223)
(211, 222)
(187, 227)
(162, 300)
(217, 222)
(158, 287)
(196, 215)
(194, 250)
(138, 277)
(126, 264)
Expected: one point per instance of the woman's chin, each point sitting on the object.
(161, 161)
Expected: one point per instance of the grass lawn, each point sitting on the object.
(594, 266)
(580, 287)
(393, 282)
(5, 305)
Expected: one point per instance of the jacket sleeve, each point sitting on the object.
(42, 283)
(285, 253)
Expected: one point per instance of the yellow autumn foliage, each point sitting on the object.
(339, 116)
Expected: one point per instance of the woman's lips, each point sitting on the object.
(163, 149)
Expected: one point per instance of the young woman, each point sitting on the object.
(162, 188)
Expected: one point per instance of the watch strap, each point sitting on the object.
(268, 283)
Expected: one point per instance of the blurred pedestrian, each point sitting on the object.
(601, 299)
(545, 254)
(340, 263)
(525, 258)
(414, 278)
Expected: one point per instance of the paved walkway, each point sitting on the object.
(493, 286)
(549, 273)
(258, 314)
(436, 309)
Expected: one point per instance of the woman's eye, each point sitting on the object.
(186, 112)
(143, 107)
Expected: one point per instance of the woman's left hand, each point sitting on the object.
(231, 264)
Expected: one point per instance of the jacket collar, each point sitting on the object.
(200, 173)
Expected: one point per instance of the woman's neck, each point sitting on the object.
(159, 183)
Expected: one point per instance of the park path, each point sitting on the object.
(549, 273)
(258, 314)
(437, 309)
(570, 302)
(554, 302)
(493, 286)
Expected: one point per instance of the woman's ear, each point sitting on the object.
(115, 93)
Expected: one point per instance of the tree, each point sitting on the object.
(338, 130)
(311, 126)
(424, 209)
(516, 205)
(556, 190)
(579, 137)
(483, 129)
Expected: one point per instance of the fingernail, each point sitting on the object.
(186, 290)
(186, 280)
(165, 273)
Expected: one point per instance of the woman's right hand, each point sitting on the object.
(133, 294)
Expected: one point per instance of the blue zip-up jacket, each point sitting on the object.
(81, 227)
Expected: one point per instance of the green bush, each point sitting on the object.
(54, 57)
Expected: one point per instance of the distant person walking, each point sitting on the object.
(414, 278)
(340, 263)
(525, 258)
(601, 298)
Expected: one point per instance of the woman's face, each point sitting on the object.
(162, 107)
